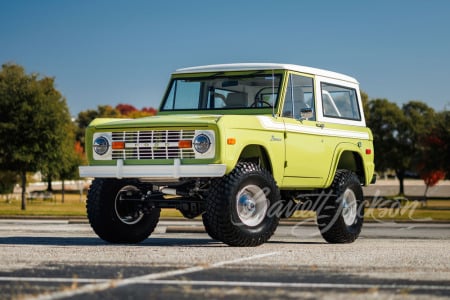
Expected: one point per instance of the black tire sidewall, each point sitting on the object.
(329, 217)
(221, 218)
(103, 217)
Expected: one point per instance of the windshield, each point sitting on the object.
(225, 92)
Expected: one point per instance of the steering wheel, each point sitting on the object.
(259, 98)
(258, 101)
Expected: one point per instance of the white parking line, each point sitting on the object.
(97, 287)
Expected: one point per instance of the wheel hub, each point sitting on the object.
(128, 212)
(251, 205)
(248, 204)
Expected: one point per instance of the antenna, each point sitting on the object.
(273, 94)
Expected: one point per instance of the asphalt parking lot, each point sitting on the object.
(60, 259)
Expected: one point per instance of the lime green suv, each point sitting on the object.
(241, 145)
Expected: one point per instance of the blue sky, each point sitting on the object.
(110, 52)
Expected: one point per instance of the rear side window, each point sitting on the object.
(340, 102)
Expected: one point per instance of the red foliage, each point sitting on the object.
(150, 110)
(434, 141)
(78, 148)
(431, 178)
(128, 110)
(125, 109)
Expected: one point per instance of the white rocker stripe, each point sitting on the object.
(269, 123)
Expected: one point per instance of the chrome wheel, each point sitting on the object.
(127, 211)
(252, 205)
(238, 206)
(349, 207)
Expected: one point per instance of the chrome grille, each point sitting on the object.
(153, 144)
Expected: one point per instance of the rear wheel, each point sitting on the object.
(115, 216)
(238, 206)
(341, 216)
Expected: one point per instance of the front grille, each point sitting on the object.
(154, 144)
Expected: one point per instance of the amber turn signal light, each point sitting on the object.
(185, 144)
(118, 145)
(231, 141)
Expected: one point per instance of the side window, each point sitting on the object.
(299, 97)
(339, 102)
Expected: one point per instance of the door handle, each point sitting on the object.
(321, 125)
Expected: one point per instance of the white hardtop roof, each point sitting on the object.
(265, 66)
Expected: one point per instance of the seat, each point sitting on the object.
(236, 100)
(299, 101)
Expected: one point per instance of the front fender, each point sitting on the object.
(271, 142)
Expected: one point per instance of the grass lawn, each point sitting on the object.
(73, 206)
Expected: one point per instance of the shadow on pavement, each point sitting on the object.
(93, 241)
(150, 242)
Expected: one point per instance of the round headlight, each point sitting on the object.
(202, 143)
(101, 145)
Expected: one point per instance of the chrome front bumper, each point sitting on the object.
(177, 170)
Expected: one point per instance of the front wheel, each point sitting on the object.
(115, 213)
(238, 206)
(341, 215)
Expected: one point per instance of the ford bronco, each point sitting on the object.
(241, 145)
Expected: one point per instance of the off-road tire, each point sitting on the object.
(230, 196)
(340, 217)
(209, 229)
(103, 214)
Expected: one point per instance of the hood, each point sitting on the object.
(156, 121)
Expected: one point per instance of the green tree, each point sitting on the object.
(388, 123)
(365, 102)
(397, 133)
(106, 111)
(86, 117)
(62, 132)
(73, 158)
(435, 145)
(32, 128)
(8, 180)
(419, 122)
(442, 130)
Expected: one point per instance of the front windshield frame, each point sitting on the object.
(255, 84)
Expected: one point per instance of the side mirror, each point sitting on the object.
(306, 113)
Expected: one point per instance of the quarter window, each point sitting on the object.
(340, 102)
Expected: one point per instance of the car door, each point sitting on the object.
(307, 153)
